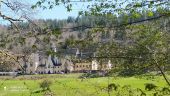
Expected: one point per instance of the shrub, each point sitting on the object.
(90, 75)
(150, 86)
(45, 84)
(130, 72)
(165, 91)
(113, 86)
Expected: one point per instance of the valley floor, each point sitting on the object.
(72, 85)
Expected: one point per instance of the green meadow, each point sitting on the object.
(72, 85)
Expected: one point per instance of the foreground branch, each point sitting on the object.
(163, 74)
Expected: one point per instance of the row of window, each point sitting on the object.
(87, 66)
(53, 66)
(49, 72)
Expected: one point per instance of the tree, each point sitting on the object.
(9, 61)
(148, 44)
(17, 11)
(151, 45)
(107, 7)
(70, 19)
(131, 12)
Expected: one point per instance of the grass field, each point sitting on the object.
(71, 85)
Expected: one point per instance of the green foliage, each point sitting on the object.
(20, 40)
(130, 72)
(51, 52)
(45, 84)
(149, 42)
(131, 9)
(150, 14)
(165, 91)
(90, 75)
(56, 32)
(150, 86)
(46, 39)
(113, 86)
(34, 46)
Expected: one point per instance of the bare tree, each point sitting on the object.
(15, 11)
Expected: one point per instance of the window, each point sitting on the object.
(87, 66)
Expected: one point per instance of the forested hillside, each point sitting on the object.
(108, 36)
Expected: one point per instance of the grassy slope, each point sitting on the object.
(70, 85)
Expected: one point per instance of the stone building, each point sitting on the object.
(94, 65)
(32, 64)
(48, 65)
(90, 66)
(53, 64)
(81, 67)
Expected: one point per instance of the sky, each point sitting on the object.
(58, 12)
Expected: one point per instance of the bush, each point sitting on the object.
(130, 72)
(150, 86)
(113, 86)
(90, 75)
(45, 84)
(165, 91)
